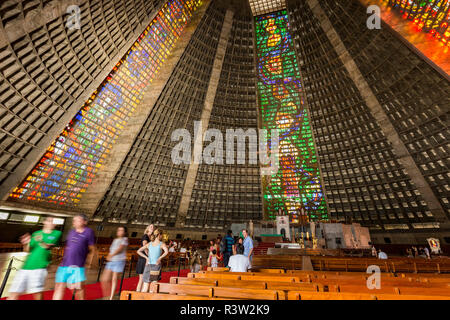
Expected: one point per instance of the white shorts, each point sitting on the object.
(29, 281)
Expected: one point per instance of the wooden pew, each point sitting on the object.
(232, 276)
(356, 282)
(219, 282)
(359, 284)
(299, 295)
(222, 269)
(217, 269)
(408, 265)
(250, 273)
(261, 270)
(274, 285)
(133, 295)
(217, 292)
(424, 277)
(400, 290)
(277, 261)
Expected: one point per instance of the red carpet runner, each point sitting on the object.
(94, 291)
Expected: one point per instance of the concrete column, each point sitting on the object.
(206, 114)
(94, 194)
(379, 114)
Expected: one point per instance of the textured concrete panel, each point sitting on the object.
(379, 114)
(206, 114)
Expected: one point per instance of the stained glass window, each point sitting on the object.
(296, 188)
(71, 162)
(429, 15)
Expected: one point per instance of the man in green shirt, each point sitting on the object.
(31, 278)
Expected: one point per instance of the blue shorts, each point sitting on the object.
(70, 275)
(116, 266)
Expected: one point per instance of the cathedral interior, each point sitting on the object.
(92, 91)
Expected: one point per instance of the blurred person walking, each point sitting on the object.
(80, 248)
(31, 278)
(117, 259)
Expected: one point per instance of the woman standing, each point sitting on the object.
(212, 246)
(117, 259)
(140, 266)
(219, 253)
(152, 271)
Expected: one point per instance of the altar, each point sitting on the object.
(287, 245)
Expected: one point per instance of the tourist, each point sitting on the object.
(228, 248)
(212, 246)
(382, 255)
(140, 266)
(422, 253)
(31, 278)
(239, 262)
(427, 253)
(117, 259)
(409, 253)
(415, 252)
(219, 253)
(214, 259)
(248, 244)
(374, 251)
(152, 272)
(80, 248)
(196, 261)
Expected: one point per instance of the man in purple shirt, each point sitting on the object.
(80, 247)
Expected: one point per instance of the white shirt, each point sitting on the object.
(382, 255)
(239, 263)
(183, 250)
(115, 245)
(171, 249)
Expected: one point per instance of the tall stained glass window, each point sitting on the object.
(71, 162)
(296, 188)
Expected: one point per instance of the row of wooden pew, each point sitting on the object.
(280, 284)
(327, 263)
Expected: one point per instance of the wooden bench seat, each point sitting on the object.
(424, 277)
(299, 295)
(250, 277)
(219, 292)
(408, 265)
(274, 285)
(250, 273)
(357, 264)
(402, 290)
(133, 295)
(222, 269)
(262, 270)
